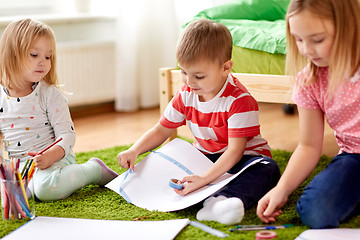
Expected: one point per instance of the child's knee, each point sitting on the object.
(314, 215)
(48, 192)
(273, 171)
(42, 194)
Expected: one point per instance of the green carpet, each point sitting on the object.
(101, 203)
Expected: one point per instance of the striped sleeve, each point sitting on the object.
(174, 115)
(244, 118)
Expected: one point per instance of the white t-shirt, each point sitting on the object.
(30, 123)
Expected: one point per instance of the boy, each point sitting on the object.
(223, 118)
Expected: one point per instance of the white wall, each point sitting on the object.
(85, 48)
(186, 9)
(99, 23)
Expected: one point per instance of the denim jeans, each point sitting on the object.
(333, 196)
(252, 184)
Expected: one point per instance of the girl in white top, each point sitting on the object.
(34, 113)
(325, 36)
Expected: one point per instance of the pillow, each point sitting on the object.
(247, 9)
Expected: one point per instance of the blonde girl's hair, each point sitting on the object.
(15, 46)
(204, 40)
(345, 52)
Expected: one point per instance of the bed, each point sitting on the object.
(258, 31)
(259, 48)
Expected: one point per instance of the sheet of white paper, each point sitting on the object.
(45, 228)
(330, 234)
(148, 186)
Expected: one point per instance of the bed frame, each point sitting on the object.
(264, 88)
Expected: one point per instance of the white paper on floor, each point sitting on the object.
(147, 187)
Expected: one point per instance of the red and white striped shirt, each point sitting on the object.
(232, 113)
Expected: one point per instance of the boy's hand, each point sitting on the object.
(191, 183)
(126, 159)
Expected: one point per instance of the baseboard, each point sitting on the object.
(93, 109)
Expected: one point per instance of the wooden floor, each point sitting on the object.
(108, 129)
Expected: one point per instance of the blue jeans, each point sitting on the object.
(251, 185)
(333, 196)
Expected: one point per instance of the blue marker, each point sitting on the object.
(259, 227)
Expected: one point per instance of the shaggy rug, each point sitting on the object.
(94, 202)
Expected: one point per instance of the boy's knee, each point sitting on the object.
(274, 171)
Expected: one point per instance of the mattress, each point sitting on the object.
(258, 29)
(258, 62)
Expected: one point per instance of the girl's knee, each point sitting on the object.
(42, 194)
(48, 193)
(316, 216)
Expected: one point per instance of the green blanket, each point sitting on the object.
(254, 24)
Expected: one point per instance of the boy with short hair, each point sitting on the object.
(223, 118)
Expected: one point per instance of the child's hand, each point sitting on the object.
(126, 159)
(48, 158)
(41, 161)
(191, 183)
(269, 206)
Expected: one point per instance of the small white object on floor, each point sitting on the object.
(224, 210)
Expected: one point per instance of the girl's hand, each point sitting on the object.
(41, 161)
(269, 206)
(48, 158)
(191, 183)
(126, 159)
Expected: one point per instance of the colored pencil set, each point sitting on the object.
(14, 200)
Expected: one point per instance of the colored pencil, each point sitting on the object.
(24, 168)
(259, 227)
(42, 151)
(16, 204)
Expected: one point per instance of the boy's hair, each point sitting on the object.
(204, 40)
(15, 46)
(345, 53)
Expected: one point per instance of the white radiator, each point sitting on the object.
(87, 71)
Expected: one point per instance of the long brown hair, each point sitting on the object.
(345, 52)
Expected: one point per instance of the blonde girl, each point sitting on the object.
(324, 41)
(34, 113)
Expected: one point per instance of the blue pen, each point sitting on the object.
(259, 227)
